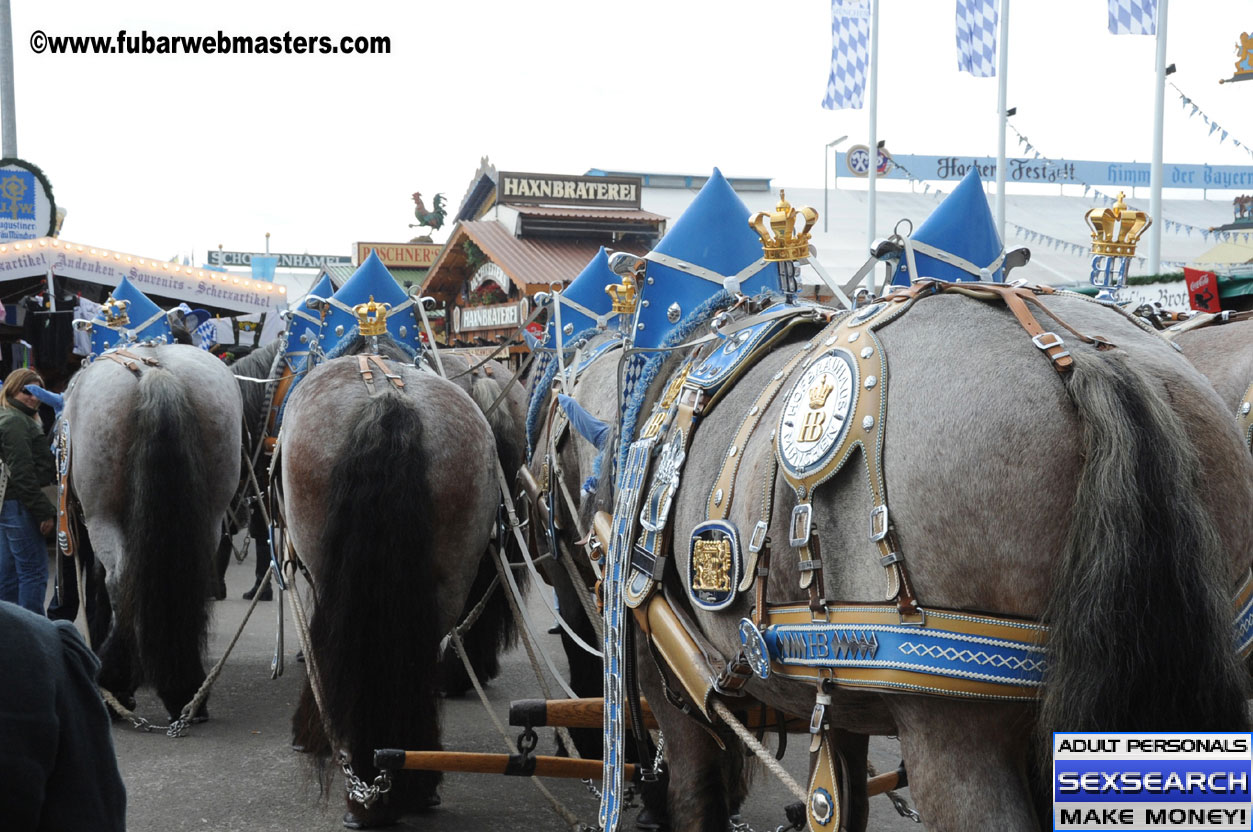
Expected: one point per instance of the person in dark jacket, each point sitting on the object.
(58, 769)
(27, 515)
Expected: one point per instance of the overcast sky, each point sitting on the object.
(165, 155)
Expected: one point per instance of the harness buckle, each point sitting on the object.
(878, 522)
(820, 709)
(758, 538)
(1047, 340)
(799, 528)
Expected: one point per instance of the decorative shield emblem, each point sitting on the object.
(714, 565)
(755, 650)
(816, 412)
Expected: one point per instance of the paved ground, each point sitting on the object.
(237, 771)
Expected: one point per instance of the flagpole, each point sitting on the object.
(1002, 72)
(874, 132)
(1155, 176)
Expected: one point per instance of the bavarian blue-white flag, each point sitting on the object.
(1133, 17)
(850, 54)
(976, 37)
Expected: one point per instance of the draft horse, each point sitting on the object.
(154, 438)
(1222, 349)
(1081, 499)
(389, 495)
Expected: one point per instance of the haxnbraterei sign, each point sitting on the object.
(556, 189)
(492, 316)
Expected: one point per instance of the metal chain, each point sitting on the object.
(628, 794)
(903, 808)
(360, 791)
(571, 821)
(900, 804)
(126, 713)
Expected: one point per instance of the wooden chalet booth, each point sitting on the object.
(521, 233)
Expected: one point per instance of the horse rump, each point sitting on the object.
(170, 540)
(375, 631)
(1140, 609)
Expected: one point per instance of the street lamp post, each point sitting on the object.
(826, 177)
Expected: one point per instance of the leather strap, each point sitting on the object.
(824, 811)
(720, 495)
(130, 361)
(367, 374)
(281, 389)
(952, 654)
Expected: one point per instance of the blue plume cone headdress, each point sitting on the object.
(304, 327)
(148, 322)
(584, 303)
(371, 279)
(958, 242)
(710, 242)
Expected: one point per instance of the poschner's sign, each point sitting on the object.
(555, 189)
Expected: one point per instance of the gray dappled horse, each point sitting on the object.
(155, 460)
(390, 499)
(1080, 500)
(1223, 352)
(483, 381)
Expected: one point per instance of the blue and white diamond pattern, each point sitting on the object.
(850, 54)
(206, 335)
(1133, 17)
(979, 657)
(976, 37)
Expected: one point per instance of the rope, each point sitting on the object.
(178, 728)
(526, 638)
(565, 814)
(580, 588)
(311, 664)
(760, 750)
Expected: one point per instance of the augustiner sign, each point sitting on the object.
(555, 189)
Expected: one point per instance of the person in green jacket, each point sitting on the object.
(27, 515)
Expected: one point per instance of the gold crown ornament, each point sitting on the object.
(785, 243)
(1116, 230)
(114, 311)
(372, 317)
(819, 392)
(622, 295)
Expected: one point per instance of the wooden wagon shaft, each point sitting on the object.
(886, 782)
(545, 766)
(588, 713)
(478, 763)
(568, 713)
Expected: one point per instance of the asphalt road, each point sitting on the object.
(238, 772)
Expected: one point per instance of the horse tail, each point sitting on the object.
(495, 630)
(375, 632)
(1140, 611)
(169, 536)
